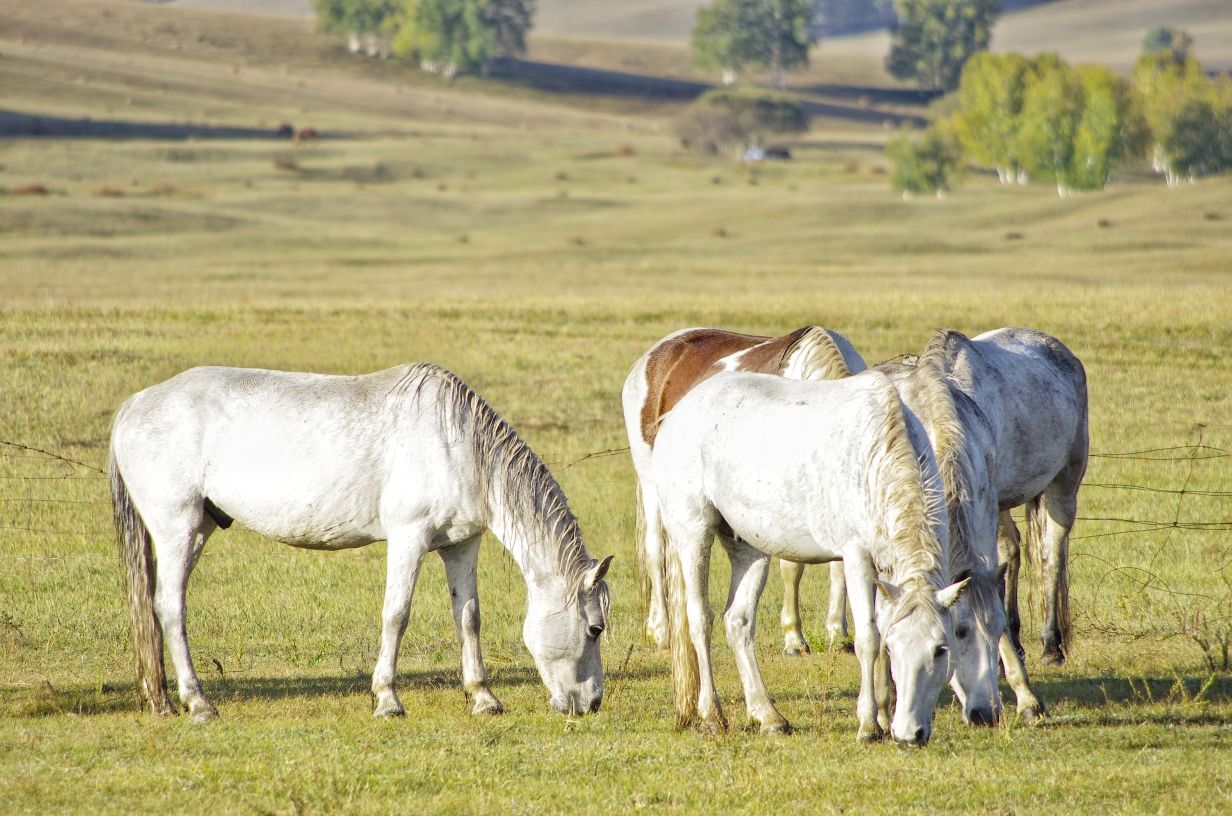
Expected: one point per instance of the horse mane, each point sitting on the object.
(955, 464)
(815, 356)
(535, 500)
(909, 502)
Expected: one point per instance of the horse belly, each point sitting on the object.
(306, 494)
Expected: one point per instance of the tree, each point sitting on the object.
(933, 39)
(1110, 129)
(928, 164)
(990, 97)
(448, 36)
(363, 22)
(1188, 114)
(1171, 42)
(732, 34)
(1051, 112)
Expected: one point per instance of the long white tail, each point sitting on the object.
(136, 551)
(686, 677)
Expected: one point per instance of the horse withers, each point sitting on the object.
(410, 455)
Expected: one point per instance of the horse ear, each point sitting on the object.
(887, 589)
(949, 596)
(597, 572)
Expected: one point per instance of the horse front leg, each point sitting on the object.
(748, 579)
(1009, 552)
(859, 574)
(1030, 707)
(794, 642)
(178, 544)
(406, 551)
(461, 570)
(836, 614)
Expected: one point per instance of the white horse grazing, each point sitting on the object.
(810, 472)
(1033, 390)
(962, 440)
(665, 373)
(411, 455)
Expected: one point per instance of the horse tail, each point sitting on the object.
(136, 551)
(639, 534)
(1032, 546)
(686, 676)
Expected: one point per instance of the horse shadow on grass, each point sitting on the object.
(46, 700)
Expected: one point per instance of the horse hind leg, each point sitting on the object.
(651, 551)
(1009, 551)
(1050, 518)
(178, 542)
(836, 614)
(794, 642)
(461, 564)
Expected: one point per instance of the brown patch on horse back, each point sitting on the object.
(770, 355)
(676, 365)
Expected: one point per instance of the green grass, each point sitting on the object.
(538, 261)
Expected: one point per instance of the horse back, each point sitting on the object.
(681, 361)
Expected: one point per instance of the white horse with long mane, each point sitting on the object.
(411, 455)
(810, 472)
(963, 442)
(665, 373)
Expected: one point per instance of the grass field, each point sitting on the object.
(537, 246)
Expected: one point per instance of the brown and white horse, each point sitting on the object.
(667, 372)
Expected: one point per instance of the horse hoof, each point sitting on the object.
(1031, 714)
(390, 710)
(203, 713)
(714, 727)
(869, 737)
(1053, 657)
(491, 707)
(776, 728)
(796, 647)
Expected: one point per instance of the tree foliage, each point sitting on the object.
(1170, 42)
(990, 98)
(1185, 110)
(445, 36)
(731, 35)
(927, 164)
(933, 39)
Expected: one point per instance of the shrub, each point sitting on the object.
(927, 164)
(726, 121)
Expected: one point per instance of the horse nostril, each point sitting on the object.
(920, 737)
(595, 703)
(981, 716)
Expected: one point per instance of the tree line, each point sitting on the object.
(1073, 125)
(931, 40)
(443, 36)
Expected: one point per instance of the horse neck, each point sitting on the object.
(538, 533)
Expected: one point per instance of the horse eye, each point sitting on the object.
(961, 632)
(940, 652)
(594, 632)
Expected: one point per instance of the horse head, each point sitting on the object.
(564, 621)
(979, 620)
(918, 633)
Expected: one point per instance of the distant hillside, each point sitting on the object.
(1104, 31)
